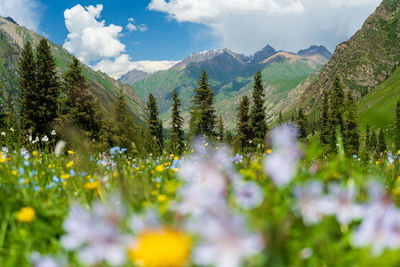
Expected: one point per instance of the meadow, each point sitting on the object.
(289, 206)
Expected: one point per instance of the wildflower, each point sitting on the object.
(70, 152)
(65, 176)
(281, 165)
(238, 158)
(44, 261)
(26, 215)
(35, 153)
(59, 148)
(248, 195)
(69, 164)
(45, 138)
(160, 248)
(3, 133)
(12, 129)
(91, 185)
(159, 168)
(95, 234)
(53, 133)
(161, 198)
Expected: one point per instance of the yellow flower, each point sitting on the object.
(14, 172)
(176, 158)
(171, 155)
(2, 160)
(174, 169)
(65, 176)
(116, 174)
(70, 152)
(92, 185)
(26, 214)
(35, 153)
(269, 151)
(161, 198)
(70, 164)
(160, 248)
(377, 162)
(159, 168)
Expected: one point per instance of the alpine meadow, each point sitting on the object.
(132, 134)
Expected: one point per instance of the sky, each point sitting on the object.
(116, 36)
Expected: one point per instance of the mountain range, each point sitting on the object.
(231, 77)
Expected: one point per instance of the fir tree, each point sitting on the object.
(257, 114)
(124, 131)
(228, 137)
(397, 135)
(202, 115)
(351, 135)
(79, 108)
(336, 108)
(381, 146)
(47, 90)
(29, 97)
(177, 134)
(220, 134)
(324, 121)
(301, 122)
(243, 126)
(154, 123)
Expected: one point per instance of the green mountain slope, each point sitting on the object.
(104, 88)
(231, 78)
(378, 108)
(365, 60)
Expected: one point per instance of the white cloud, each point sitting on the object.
(247, 25)
(90, 39)
(123, 64)
(24, 12)
(132, 27)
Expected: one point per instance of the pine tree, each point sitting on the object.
(381, 146)
(124, 131)
(351, 135)
(220, 134)
(154, 123)
(202, 114)
(47, 90)
(301, 122)
(336, 111)
(228, 137)
(177, 134)
(324, 120)
(79, 108)
(243, 126)
(257, 114)
(373, 141)
(397, 135)
(29, 97)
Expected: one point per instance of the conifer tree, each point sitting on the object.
(324, 120)
(381, 146)
(368, 139)
(202, 115)
(301, 122)
(373, 141)
(243, 126)
(257, 114)
(177, 134)
(29, 97)
(336, 111)
(124, 131)
(154, 123)
(228, 137)
(397, 134)
(79, 108)
(351, 135)
(220, 134)
(47, 90)
(280, 119)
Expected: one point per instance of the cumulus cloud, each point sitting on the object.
(247, 25)
(89, 39)
(132, 27)
(123, 64)
(24, 12)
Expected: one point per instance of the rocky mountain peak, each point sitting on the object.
(315, 50)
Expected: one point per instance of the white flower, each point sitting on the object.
(95, 234)
(248, 195)
(44, 261)
(45, 138)
(53, 132)
(59, 148)
(3, 133)
(12, 129)
(281, 165)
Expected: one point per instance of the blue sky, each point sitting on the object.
(164, 40)
(173, 29)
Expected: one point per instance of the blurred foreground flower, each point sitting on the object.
(26, 214)
(160, 248)
(95, 234)
(281, 164)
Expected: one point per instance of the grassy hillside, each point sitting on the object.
(104, 88)
(378, 108)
